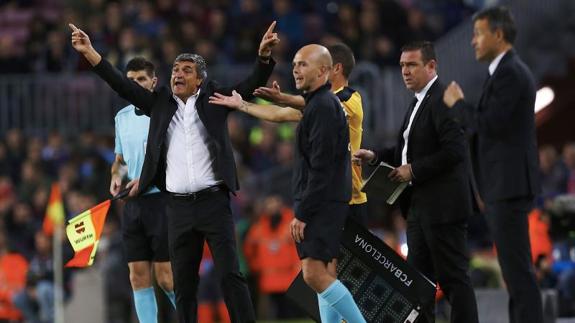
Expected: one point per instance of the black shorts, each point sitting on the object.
(145, 228)
(323, 232)
(358, 212)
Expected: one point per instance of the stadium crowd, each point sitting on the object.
(33, 37)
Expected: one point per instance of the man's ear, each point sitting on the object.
(337, 68)
(154, 82)
(432, 64)
(324, 70)
(499, 34)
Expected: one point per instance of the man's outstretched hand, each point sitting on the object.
(82, 44)
(272, 94)
(80, 40)
(234, 101)
(269, 40)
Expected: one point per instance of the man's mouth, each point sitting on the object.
(178, 84)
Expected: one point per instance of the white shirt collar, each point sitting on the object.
(495, 62)
(421, 94)
(192, 96)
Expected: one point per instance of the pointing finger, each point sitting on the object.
(271, 28)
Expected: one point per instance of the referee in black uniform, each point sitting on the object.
(321, 184)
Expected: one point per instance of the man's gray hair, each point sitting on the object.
(201, 67)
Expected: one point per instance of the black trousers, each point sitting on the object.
(190, 223)
(439, 251)
(509, 226)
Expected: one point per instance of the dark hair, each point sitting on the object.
(426, 48)
(499, 18)
(342, 54)
(137, 64)
(201, 68)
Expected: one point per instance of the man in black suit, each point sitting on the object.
(505, 154)
(189, 156)
(430, 154)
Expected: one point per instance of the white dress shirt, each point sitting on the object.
(420, 96)
(190, 156)
(495, 62)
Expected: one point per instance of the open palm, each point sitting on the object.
(234, 101)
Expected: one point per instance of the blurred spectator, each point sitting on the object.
(166, 57)
(347, 26)
(5, 167)
(7, 196)
(289, 21)
(56, 57)
(263, 140)
(272, 256)
(21, 227)
(13, 268)
(541, 245)
(32, 178)
(10, 60)
(147, 24)
(569, 160)
(15, 145)
(36, 300)
(117, 288)
(247, 23)
(566, 290)
(55, 153)
(546, 278)
(418, 26)
(553, 173)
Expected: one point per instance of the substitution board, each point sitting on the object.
(385, 287)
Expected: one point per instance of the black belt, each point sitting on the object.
(196, 195)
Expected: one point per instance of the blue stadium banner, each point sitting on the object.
(385, 287)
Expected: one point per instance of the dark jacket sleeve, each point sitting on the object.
(386, 155)
(451, 141)
(258, 77)
(465, 114)
(126, 88)
(503, 98)
(501, 101)
(323, 136)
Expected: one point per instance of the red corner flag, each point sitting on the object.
(55, 210)
(84, 232)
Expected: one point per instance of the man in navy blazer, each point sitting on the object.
(189, 156)
(504, 153)
(431, 154)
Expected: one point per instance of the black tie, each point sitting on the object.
(409, 112)
(412, 104)
(139, 112)
(486, 80)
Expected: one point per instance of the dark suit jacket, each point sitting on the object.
(322, 171)
(436, 151)
(504, 147)
(161, 106)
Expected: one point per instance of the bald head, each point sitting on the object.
(311, 66)
(317, 54)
